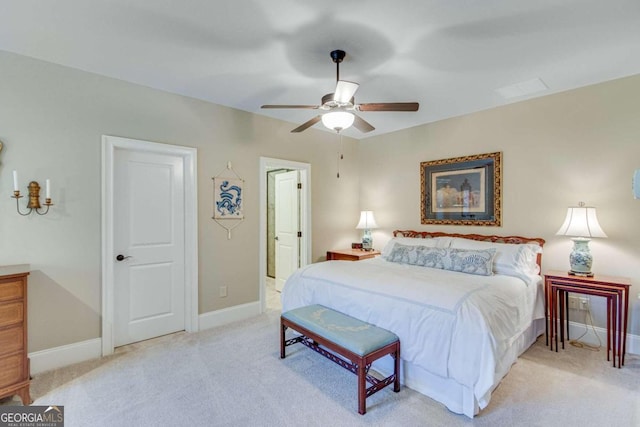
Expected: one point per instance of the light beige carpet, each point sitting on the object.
(233, 376)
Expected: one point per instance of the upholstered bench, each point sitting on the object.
(327, 331)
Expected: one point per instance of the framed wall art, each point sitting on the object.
(228, 198)
(462, 190)
(228, 210)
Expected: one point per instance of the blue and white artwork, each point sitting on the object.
(228, 198)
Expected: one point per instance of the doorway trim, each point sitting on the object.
(266, 164)
(189, 155)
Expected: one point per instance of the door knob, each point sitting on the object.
(122, 257)
(276, 238)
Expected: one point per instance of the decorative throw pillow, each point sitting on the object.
(403, 254)
(519, 260)
(462, 260)
(471, 261)
(418, 255)
(431, 242)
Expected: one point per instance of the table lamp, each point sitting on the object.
(581, 223)
(367, 222)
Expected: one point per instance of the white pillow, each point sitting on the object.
(431, 242)
(511, 259)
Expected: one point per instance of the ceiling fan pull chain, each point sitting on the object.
(339, 155)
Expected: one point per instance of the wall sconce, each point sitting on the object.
(34, 196)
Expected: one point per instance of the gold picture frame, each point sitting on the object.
(462, 190)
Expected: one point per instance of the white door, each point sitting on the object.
(287, 226)
(149, 284)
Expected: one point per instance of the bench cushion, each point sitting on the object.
(353, 334)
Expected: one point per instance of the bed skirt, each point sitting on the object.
(457, 397)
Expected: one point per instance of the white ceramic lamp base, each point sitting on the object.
(367, 240)
(581, 259)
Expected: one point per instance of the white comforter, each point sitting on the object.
(453, 325)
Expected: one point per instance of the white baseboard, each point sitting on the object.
(58, 357)
(577, 329)
(221, 317)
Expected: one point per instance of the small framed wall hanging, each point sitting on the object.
(227, 199)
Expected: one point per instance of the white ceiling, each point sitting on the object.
(451, 56)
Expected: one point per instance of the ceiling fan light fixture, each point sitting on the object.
(338, 120)
(336, 109)
(345, 91)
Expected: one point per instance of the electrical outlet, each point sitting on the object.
(578, 303)
(584, 303)
(223, 291)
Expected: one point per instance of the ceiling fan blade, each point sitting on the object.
(345, 91)
(307, 124)
(389, 106)
(361, 124)
(310, 107)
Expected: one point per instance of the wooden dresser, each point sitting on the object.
(14, 363)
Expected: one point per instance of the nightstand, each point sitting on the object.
(350, 254)
(615, 289)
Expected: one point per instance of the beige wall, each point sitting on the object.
(52, 121)
(557, 150)
(581, 145)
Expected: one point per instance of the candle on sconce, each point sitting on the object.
(33, 192)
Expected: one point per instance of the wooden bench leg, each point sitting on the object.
(362, 388)
(283, 328)
(396, 368)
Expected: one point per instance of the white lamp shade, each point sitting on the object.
(581, 221)
(345, 91)
(367, 221)
(337, 120)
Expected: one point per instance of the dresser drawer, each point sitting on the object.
(11, 340)
(11, 370)
(11, 289)
(11, 313)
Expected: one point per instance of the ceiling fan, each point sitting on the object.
(338, 108)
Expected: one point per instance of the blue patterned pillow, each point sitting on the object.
(472, 261)
(463, 260)
(418, 255)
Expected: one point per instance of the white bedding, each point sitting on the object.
(456, 326)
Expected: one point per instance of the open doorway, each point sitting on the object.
(272, 236)
(285, 222)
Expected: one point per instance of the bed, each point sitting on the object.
(465, 306)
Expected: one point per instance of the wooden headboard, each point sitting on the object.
(515, 240)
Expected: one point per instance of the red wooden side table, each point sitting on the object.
(615, 289)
